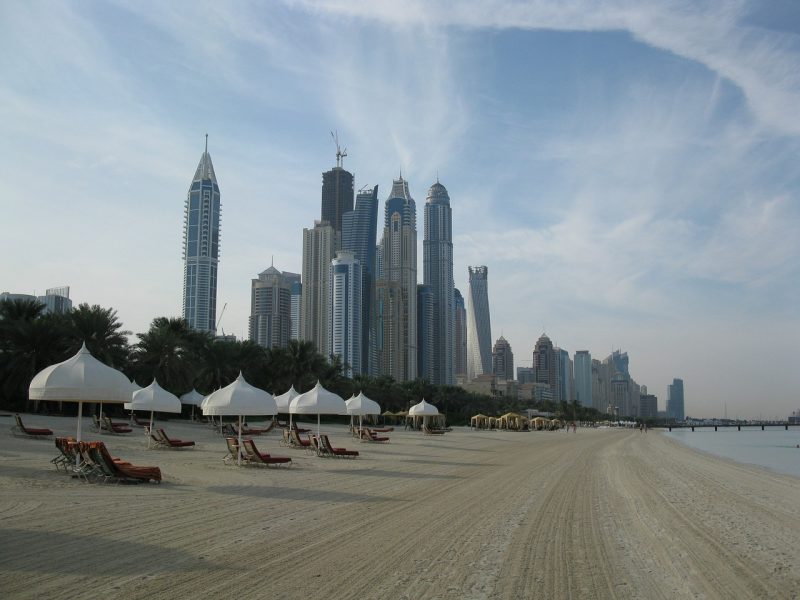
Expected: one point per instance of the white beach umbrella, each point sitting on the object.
(155, 399)
(193, 398)
(361, 405)
(240, 399)
(284, 400)
(80, 379)
(423, 409)
(318, 401)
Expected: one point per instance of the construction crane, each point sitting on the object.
(340, 152)
(222, 312)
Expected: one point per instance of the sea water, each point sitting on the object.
(774, 448)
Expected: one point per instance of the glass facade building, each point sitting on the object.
(201, 242)
(337, 197)
(426, 316)
(359, 235)
(583, 378)
(459, 334)
(438, 274)
(479, 327)
(344, 329)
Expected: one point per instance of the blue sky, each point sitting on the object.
(627, 170)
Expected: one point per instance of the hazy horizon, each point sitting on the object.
(627, 171)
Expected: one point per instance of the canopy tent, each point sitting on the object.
(479, 421)
(361, 405)
(318, 401)
(513, 421)
(80, 379)
(539, 423)
(239, 399)
(154, 398)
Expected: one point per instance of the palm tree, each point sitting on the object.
(166, 352)
(29, 342)
(101, 331)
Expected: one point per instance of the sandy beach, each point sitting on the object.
(596, 514)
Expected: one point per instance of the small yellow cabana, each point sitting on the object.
(556, 424)
(540, 423)
(479, 421)
(513, 422)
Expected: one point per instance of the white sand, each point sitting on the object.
(597, 514)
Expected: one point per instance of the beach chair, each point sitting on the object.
(429, 431)
(228, 429)
(299, 429)
(64, 459)
(169, 442)
(140, 422)
(286, 438)
(317, 447)
(338, 452)
(382, 429)
(19, 430)
(122, 471)
(369, 436)
(233, 450)
(259, 458)
(297, 441)
(115, 428)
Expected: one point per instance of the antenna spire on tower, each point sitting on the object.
(206, 143)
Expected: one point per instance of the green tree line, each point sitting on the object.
(180, 359)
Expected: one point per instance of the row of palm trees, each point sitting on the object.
(180, 359)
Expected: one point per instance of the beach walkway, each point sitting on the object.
(595, 514)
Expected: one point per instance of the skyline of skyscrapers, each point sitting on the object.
(479, 327)
(438, 274)
(201, 240)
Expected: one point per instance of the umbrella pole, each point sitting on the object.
(80, 416)
(318, 432)
(239, 458)
(150, 437)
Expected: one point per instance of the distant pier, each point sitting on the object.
(738, 426)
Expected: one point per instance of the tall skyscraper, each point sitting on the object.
(438, 274)
(479, 327)
(201, 247)
(525, 375)
(297, 298)
(344, 329)
(337, 196)
(564, 375)
(398, 257)
(426, 341)
(503, 360)
(459, 334)
(544, 364)
(270, 309)
(359, 232)
(583, 378)
(675, 407)
(318, 251)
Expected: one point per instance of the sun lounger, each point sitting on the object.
(172, 443)
(233, 450)
(382, 429)
(369, 436)
(427, 430)
(287, 438)
(111, 427)
(297, 441)
(259, 458)
(122, 471)
(140, 422)
(316, 446)
(299, 429)
(325, 443)
(31, 432)
(66, 454)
